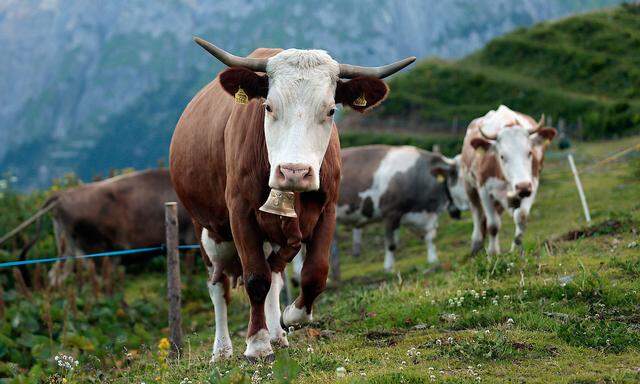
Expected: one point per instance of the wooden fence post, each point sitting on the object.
(583, 199)
(173, 277)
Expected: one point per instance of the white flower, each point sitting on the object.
(310, 349)
(341, 372)
(509, 321)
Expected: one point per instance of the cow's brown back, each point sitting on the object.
(122, 212)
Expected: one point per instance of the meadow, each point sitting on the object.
(566, 310)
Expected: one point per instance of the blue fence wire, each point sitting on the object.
(161, 249)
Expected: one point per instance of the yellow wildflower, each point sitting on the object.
(164, 344)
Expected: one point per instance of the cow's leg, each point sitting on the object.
(389, 244)
(477, 215)
(218, 285)
(256, 275)
(272, 311)
(297, 264)
(520, 216)
(61, 269)
(314, 270)
(431, 229)
(219, 293)
(493, 220)
(357, 241)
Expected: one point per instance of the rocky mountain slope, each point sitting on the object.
(87, 86)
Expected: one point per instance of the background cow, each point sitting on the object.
(121, 212)
(502, 158)
(398, 185)
(278, 134)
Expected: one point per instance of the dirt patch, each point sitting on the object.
(383, 338)
(607, 227)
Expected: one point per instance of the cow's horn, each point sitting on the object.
(537, 127)
(348, 71)
(256, 65)
(487, 136)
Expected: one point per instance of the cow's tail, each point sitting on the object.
(46, 207)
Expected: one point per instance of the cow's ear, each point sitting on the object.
(439, 170)
(479, 142)
(547, 133)
(253, 85)
(361, 93)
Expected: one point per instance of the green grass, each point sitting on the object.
(581, 69)
(565, 312)
(406, 327)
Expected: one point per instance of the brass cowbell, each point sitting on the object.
(280, 203)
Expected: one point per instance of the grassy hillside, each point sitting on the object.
(582, 69)
(573, 306)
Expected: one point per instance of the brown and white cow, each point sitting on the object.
(225, 156)
(398, 185)
(502, 158)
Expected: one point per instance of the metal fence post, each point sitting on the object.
(583, 199)
(173, 276)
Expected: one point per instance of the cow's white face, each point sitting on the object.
(514, 152)
(299, 110)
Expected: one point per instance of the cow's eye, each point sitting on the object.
(267, 107)
(332, 111)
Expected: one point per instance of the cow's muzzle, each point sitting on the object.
(295, 177)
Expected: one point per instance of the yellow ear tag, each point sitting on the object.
(480, 151)
(440, 178)
(241, 97)
(547, 142)
(360, 101)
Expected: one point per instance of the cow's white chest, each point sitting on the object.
(397, 160)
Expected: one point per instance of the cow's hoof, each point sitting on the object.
(280, 342)
(295, 316)
(476, 247)
(258, 345)
(221, 353)
(279, 337)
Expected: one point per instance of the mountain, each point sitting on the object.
(89, 86)
(583, 69)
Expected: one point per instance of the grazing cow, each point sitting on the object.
(122, 212)
(502, 159)
(398, 185)
(279, 133)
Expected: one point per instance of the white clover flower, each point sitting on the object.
(310, 349)
(432, 378)
(438, 342)
(341, 372)
(510, 321)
